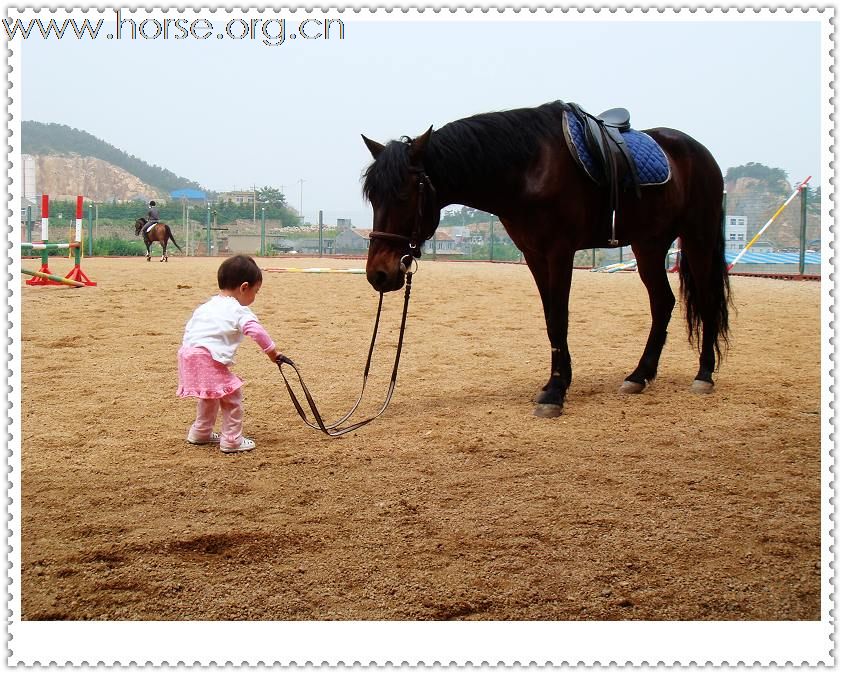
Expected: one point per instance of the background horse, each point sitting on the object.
(159, 232)
(516, 165)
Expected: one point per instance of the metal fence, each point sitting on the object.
(783, 231)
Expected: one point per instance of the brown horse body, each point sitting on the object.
(516, 165)
(159, 232)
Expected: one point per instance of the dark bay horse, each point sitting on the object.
(159, 232)
(516, 165)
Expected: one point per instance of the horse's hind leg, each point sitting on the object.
(696, 272)
(164, 252)
(651, 268)
(706, 293)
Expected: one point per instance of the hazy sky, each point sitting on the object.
(231, 113)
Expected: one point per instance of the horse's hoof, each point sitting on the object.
(701, 386)
(631, 387)
(546, 411)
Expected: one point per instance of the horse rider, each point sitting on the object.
(152, 217)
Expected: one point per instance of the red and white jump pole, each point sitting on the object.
(44, 273)
(45, 277)
(771, 220)
(76, 274)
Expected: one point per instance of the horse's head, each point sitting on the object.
(406, 209)
(138, 225)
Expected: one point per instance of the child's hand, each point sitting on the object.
(281, 359)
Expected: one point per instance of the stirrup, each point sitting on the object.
(613, 240)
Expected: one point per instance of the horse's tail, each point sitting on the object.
(705, 289)
(172, 238)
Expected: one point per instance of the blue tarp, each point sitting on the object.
(188, 194)
(752, 257)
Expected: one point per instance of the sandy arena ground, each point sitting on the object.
(457, 503)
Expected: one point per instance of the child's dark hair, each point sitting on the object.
(237, 270)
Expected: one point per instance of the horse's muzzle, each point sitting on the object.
(386, 272)
(384, 282)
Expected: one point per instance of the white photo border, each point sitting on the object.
(461, 643)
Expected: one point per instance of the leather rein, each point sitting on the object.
(334, 430)
(414, 242)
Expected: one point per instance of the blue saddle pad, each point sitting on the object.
(650, 160)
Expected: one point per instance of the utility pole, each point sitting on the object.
(263, 231)
(301, 199)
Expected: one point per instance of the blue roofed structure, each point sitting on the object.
(188, 193)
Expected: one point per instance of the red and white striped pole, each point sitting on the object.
(76, 274)
(771, 220)
(79, 205)
(45, 218)
(43, 278)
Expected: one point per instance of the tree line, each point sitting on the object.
(48, 138)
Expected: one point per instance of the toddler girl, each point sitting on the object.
(211, 337)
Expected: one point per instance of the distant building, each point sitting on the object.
(352, 241)
(736, 232)
(236, 197)
(188, 194)
(30, 189)
(30, 206)
(249, 244)
(465, 236)
(442, 243)
(275, 244)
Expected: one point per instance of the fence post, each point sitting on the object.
(803, 238)
(262, 231)
(90, 230)
(208, 228)
(491, 240)
(321, 232)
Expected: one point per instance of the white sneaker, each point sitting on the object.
(246, 444)
(212, 440)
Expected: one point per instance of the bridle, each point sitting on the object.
(416, 240)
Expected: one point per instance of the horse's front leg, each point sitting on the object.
(553, 282)
(148, 251)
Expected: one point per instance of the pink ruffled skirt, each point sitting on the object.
(200, 376)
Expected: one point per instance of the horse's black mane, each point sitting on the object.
(474, 148)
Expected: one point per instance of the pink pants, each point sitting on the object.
(231, 430)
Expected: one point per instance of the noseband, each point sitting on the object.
(416, 240)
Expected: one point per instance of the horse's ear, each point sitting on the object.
(419, 145)
(373, 146)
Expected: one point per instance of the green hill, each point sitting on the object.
(38, 138)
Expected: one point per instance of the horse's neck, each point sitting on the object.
(472, 186)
